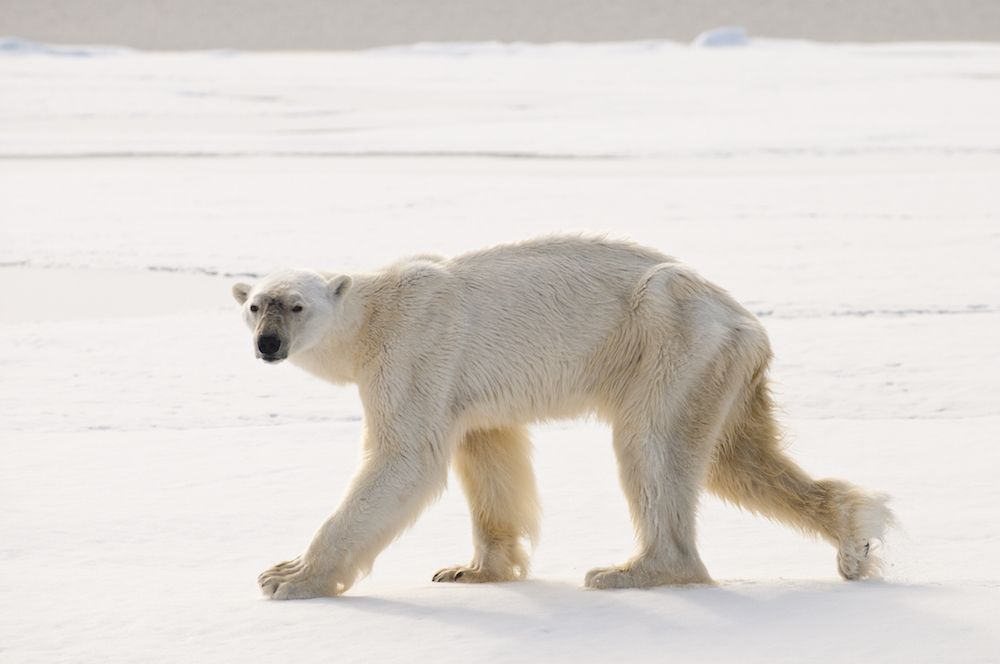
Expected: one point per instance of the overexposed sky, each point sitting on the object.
(350, 24)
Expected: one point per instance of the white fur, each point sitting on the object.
(453, 358)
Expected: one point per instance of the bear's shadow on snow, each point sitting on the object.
(828, 611)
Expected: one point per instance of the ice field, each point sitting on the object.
(849, 195)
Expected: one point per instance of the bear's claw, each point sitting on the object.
(295, 579)
(468, 575)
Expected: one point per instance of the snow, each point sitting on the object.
(725, 36)
(152, 467)
(10, 46)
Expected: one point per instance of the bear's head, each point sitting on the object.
(290, 311)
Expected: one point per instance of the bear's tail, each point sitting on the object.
(751, 471)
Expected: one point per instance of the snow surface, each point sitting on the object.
(151, 467)
(724, 36)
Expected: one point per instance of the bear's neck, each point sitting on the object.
(336, 356)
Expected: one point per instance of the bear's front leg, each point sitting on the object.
(494, 466)
(390, 490)
(298, 579)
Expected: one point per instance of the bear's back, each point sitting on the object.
(535, 314)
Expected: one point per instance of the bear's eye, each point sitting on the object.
(297, 308)
(254, 308)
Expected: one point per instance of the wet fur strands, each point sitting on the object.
(453, 359)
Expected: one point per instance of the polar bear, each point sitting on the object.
(454, 358)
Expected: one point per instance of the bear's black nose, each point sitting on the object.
(268, 344)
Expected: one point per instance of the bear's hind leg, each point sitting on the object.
(494, 466)
(664, 438)
(661, 478)
(750, 470)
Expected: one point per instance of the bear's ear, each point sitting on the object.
(240, 292)
(339, 285)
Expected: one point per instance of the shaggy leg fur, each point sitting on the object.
(494, 467)
(664, 439)
(750, 470)
(661, 485)
(387, 494)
